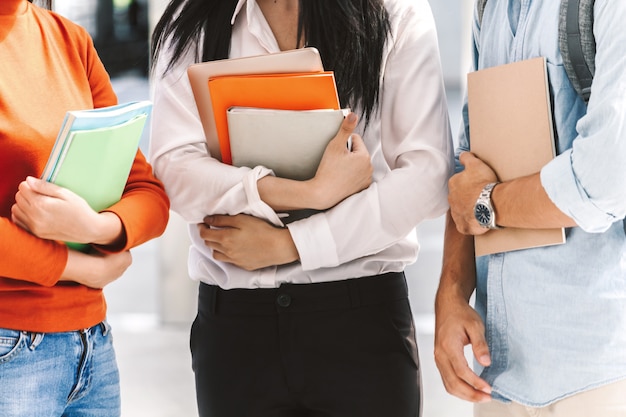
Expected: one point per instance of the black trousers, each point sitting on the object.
(339, 349)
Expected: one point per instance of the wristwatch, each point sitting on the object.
(483, 209)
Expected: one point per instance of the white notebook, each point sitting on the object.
(290, 142)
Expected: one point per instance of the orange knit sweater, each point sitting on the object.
(48, 65)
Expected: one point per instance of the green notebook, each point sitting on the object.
(95, 163)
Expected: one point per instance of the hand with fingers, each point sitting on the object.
(52, 212)
(247, 242)
(464, 189)
(345, 167)
(458, 325)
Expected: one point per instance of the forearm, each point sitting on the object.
(458, 272)
(108, 230)
(342, 172)
(457, 324)
(95, 270)
(523, 203)
(199, 185)
(283, 194)
(79, 266)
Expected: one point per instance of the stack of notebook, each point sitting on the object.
(94, 152)
(277, 110)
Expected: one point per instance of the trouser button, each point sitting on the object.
(283, 300)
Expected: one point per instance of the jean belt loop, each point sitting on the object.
(105, 327)
(354, 292)
(35, 340)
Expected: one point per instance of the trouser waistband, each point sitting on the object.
(350, 293)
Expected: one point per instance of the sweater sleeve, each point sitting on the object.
(18, 245)
(143, 208)
(99, 81)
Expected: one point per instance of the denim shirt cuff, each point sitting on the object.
(566, 192)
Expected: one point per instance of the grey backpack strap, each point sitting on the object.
(577, 44)
(480, 7)
(576, 41)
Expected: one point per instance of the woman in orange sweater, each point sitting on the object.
(56, 357)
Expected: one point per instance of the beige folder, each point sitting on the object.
(511, 130)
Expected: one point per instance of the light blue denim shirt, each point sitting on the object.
(556, 316)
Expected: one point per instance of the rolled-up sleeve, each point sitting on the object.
(197, 184)
(588, 181)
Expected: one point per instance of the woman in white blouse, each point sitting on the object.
(310, 318)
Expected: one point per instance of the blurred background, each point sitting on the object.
(152, 306)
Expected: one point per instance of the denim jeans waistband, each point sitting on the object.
(350, 293)
(33, 339)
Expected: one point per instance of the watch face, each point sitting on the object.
(482, 214)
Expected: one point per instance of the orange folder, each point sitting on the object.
(301, 91)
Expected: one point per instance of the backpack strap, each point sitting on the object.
(480, 7)
(576, 41)
(577, 44)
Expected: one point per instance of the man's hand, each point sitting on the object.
(458, 325)
(464, 190)
(247, 242)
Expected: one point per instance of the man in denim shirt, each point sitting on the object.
(553, 342)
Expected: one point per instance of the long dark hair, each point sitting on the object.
(350, 35)
(46, 4)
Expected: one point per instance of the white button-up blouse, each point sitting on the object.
(369, 233)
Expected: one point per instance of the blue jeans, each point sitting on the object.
(68, 374)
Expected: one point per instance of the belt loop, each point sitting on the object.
(105, 327)
(353, 290)
(35, 340)
(207, 298)
(214, 290)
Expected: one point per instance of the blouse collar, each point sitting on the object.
(238, 8)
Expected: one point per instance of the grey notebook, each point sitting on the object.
(290, 142)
